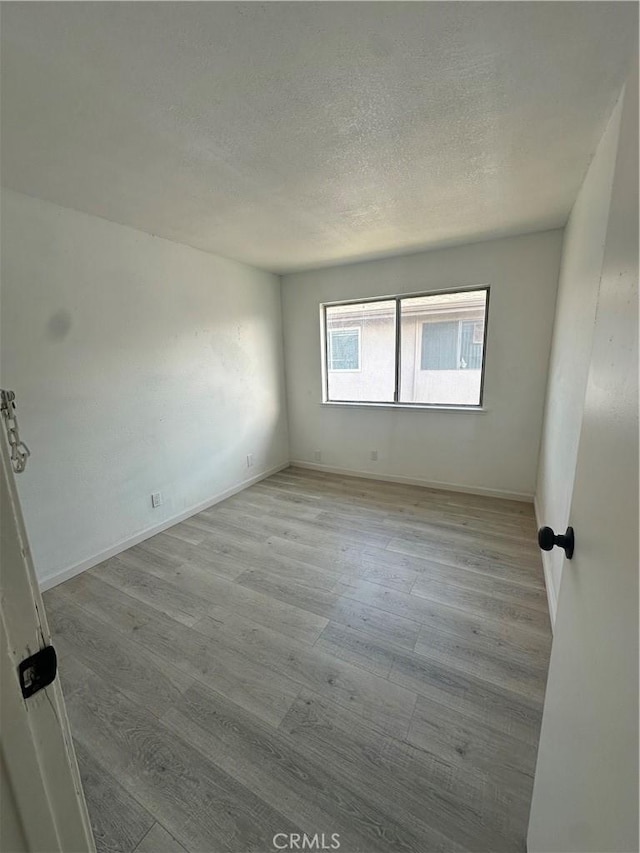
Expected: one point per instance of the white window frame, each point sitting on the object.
(330, 334)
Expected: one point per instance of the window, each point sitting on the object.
(452, 346)
(439, 346)
(344, 349)
(364, 372)
(407, 350)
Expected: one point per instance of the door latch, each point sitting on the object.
(19, 450)
(37, 671)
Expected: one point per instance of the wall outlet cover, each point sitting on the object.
(156, 499)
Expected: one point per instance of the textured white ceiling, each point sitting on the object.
(293, 135)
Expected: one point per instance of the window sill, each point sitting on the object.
(473, 410)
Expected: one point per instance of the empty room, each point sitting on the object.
(319, 427)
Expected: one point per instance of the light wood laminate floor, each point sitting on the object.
(317, 654)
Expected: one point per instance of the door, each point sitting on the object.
(585, 794)
(42, 804)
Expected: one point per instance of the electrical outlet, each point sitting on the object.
(249, 460)
(156, 499)
(317, 456)
(374, 455)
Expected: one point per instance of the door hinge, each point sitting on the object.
(38, 671)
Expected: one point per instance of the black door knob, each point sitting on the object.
(547, 539)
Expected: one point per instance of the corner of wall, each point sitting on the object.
(552, 593)
(285, 380)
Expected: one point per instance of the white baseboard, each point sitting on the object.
(411, 481)
(552, 595)
(65, 574)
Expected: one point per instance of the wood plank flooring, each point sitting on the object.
(317, 654)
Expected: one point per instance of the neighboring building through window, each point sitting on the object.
(452, 346)
(344, 349)
(425, 350)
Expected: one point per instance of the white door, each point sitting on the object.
(43, 807)
(586, 785)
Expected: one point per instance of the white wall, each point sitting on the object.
(139, 365)
(492, 451)
(582, 255)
